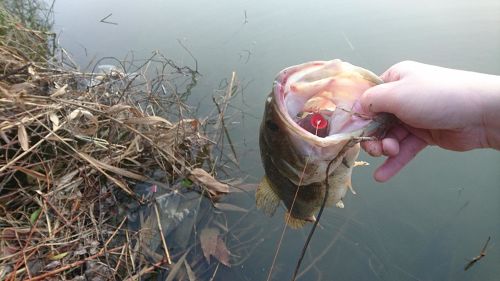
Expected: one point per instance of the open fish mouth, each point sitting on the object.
(316, 99)
(308, 126)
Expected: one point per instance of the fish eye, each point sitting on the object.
(272, 126)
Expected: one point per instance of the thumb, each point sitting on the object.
(380, 98)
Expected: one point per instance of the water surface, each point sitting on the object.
(422, 225)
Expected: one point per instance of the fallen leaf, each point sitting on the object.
(111, 168)
(59, 92)
(222, 253)
(22, 135)
(55, 121)
(213, 245)
(186, 183)
(208, 239)
(84, 122)
(34, 216)
(117, 108)
(101, 167)
(58, 256)
(201, 177)
(74, 114)
(149, 120)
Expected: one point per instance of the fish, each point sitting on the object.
(309, 122)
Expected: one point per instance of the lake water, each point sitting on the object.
(422, 225)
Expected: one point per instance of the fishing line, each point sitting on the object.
(287, 220)
(289, 213)
(302, 254)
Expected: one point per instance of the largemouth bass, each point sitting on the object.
(308, 122)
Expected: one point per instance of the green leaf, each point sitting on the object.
(58, 257)
(186, 183)
(34, 216)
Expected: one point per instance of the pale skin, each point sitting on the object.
(453, 109)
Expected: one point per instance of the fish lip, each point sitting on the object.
(279, 94)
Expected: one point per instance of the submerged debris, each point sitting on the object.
(477, 258)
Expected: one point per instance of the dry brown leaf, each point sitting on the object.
(74, 114)
(149, 120)
(201, 177)
(22, 135)
(208, 239)
(117, 108)
(55, 121)
(87, 126)
(213, 245)
(59, 92)
(222, 253)
(116, 170)
(101, 169)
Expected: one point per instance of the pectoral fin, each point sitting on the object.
(361, 163)
(265, 198)
(349, 185)
(339, 204)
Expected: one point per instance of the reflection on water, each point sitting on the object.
(424, 224)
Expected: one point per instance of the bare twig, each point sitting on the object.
(162, 236)
(481, 255)
(104, 20)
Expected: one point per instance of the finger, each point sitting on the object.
(374, 148)
(409, 148)
(390, 147)
(380, 98)
(390, 75)
(390, 143)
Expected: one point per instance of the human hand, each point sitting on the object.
(454, 109)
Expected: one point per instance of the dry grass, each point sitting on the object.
(73, 148)
(63, 153)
